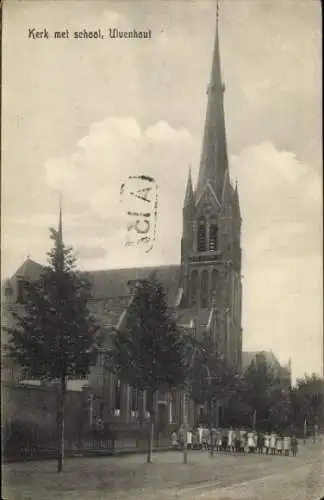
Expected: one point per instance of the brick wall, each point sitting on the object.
(39, 405)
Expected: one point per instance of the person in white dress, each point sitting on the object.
(255, 440)
(250, 441)
(230, 442)
(267, 442)
(273, 438)
(200, 436)
(174, 440)
(189, 439)
(220, 439)
(286, 445)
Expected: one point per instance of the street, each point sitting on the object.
(222, 477)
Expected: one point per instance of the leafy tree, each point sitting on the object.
(199, 373)
(56, 337)
(210, 378)
(281, 410)
(260, 388)
(148, 351)
(308, 400)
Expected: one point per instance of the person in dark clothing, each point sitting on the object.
(237, 440)
(294, 445)
(224, 440)
(260, 442)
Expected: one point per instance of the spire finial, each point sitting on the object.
(217, 13)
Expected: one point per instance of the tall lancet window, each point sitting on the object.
(201, 236)
(194, 288)
(204, 290)
(117, 397)
(213, 235)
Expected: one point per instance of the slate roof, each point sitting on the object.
(112, 289)
(30, 270)
(115, 282)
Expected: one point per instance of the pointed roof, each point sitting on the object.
(29, 270)
(214, 162)
(189, 197)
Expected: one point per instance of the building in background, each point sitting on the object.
(283, 372)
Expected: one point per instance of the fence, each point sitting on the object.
(24, 440)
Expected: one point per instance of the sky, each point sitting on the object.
(80, 116)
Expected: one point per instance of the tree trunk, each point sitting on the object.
(150, 439)
(150, 403)
(60, 424)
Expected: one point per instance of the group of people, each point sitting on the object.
(235, 440)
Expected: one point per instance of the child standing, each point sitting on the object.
(267, 443)
(242, 441)
(273, 439)
(189, 439)
(286, 445)
(174, 440)
(260, 442)
(250, 440)
(294, 445)
(230, 441)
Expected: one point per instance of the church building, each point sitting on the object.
(204, 291)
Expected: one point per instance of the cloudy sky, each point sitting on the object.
(80, 116)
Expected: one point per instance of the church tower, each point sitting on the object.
(211, 239)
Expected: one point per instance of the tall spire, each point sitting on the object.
(214, 163)
(189, 198)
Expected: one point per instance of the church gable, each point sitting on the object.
(208, 202)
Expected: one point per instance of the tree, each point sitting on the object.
(148, 350)
(260, 388)
(210, 378)
(308, 400)
(199, 354)
(56, 337)
(281, 410)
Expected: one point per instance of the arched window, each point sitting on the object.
(204, 290)
(134, 399)
(214, 279)
(213, 236)
(201, 235)
(193, 288)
